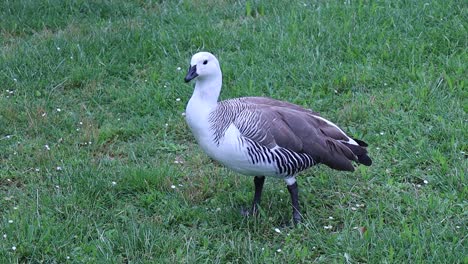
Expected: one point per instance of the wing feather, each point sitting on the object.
(276, 123)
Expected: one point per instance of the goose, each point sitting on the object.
(264, 137)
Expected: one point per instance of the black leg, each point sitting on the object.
(258, 181)
(293, 191)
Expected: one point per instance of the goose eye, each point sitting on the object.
(205, 62)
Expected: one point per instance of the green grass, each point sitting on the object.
(390, 72)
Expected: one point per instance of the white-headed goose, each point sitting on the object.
(261, 136)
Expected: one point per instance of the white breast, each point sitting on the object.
(230, 150)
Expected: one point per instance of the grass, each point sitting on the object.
(90, 130)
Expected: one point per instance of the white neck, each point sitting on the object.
(204, 100)
(207, 90)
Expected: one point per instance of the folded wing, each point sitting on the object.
(275, 123)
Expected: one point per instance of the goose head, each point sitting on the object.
(203, 66)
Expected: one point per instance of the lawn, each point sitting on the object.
(97, 164)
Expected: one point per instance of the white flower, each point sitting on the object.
(353, 208)
(4, 236)
(382, 133)
(47, 147)
(13, 248)
(15, 207)
(179, 68)
(177, 99)
(278, 250)
(10, 221)
(173, 186)
(58, 48)
(328, 227)
(59, 110)
(14, 79)
(58, 168)
(426, 181)
(183, 114)
(330, 217)
(113, 183)
(347, 257)
(277, 230)
(37, 169)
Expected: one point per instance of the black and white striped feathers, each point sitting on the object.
(254, 137)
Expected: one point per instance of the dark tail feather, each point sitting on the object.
(365, 160)
(360, 142)
(360, 152)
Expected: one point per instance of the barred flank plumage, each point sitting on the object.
(286, 162)
(222, 118)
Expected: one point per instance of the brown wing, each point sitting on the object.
(266, 126)
(326, 128)
(290, 126)
(278, 103)
(319, 140)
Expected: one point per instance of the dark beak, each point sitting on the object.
(191, 74)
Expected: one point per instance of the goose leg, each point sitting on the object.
(258, 181)
(294, 192)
